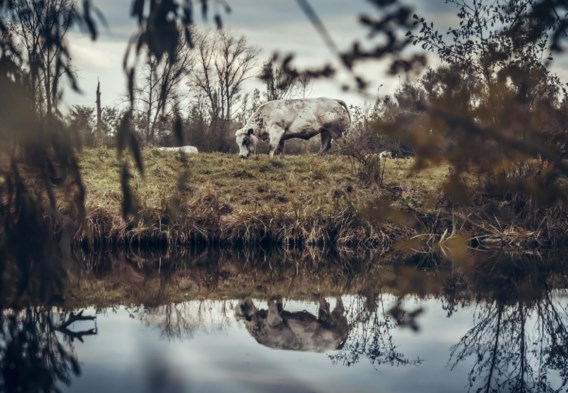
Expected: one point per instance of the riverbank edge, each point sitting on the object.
(344, 231)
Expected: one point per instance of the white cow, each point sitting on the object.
(298, 331)
(280, 120)
(183, 149)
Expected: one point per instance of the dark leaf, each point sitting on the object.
(123, 132)
(127, 197)
(136, 151)
(178, 130)
(91, 25)
(188, 38)
(131, 74)
(138, 10)
(204, 9)
(218, 21)
(187, 18)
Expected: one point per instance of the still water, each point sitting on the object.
(213, 352)
(460, 332)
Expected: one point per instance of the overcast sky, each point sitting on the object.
(272, 25)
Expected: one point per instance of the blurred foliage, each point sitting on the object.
(494, 96)
(40, 182)
(493, 110)
(41, 190)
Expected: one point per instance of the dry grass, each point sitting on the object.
(251, 185)
(298, 201)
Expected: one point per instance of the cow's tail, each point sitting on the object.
(343, 104)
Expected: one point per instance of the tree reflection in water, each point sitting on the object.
(36, 348)
(370, 326)
(519, 341)
(360, 329)
(183, 320)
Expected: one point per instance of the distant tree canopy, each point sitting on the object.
(157, 93)
(493, 95)
(225, 62)
(46, 62)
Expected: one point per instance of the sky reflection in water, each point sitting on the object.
(137, 350)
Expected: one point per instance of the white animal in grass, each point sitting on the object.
(280, 120)
(183, 149)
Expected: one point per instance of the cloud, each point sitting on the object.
(96, 61)
(99, 55)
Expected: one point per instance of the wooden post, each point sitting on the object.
(99, 134)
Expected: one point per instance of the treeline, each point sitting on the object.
(494, 95)
(203, 85)
(397, 122)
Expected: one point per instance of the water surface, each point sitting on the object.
(349, 330)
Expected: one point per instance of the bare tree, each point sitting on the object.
(304, 85)
(281, 84)
(41, 26)
(157, 94)
(224, 63)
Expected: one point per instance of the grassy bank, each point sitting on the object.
(297, 201)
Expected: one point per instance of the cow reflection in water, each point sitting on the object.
(296, 331)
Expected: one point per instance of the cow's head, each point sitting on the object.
(246, 141)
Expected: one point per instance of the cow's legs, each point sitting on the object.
(276, 140)
(280, 149)
(323, 310)
(325, 141)
(273, 148)
(273, 317)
